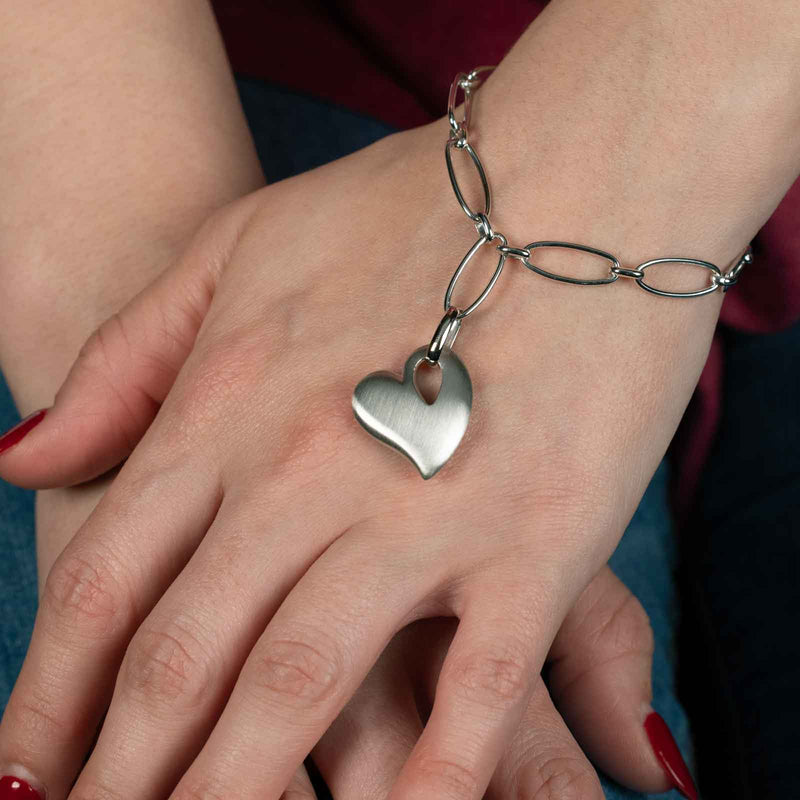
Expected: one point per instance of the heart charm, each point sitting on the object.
(395, 413)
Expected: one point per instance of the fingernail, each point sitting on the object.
(12, 788)
(18, 433)
(667, 752)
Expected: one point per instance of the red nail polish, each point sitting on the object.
(668, 754)
(12, 788)
(18, 433)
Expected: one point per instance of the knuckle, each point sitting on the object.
(564, 778)
(446, 778)
(223, 368)
(496, 679)
(85, 592)
(316, 435)
(33, 718)
(169, 664)
(299, 673)
(99, 351)
(624, 627)
(229, 362)
(105, 357)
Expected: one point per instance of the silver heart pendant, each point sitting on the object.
(394, 412)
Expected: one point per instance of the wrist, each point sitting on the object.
(615, 342)
(663, 134)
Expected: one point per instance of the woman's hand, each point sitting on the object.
(258, 551)
(599, 680)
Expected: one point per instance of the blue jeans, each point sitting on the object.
(292, 134)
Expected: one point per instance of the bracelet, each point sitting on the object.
(392, 410)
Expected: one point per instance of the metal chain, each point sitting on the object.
(459, 140)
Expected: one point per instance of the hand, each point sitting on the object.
(599, 680)
(231, 589)
(258, 439)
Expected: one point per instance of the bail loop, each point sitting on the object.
(445, 335)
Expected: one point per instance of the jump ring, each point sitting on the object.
(445, 334)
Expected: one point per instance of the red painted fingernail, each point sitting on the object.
(668, 754)
(17, 434)
(12, 788)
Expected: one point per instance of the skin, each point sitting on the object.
(165, 85)
(178, 693)
(252, 368)
(104, 245)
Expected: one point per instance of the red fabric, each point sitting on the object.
(394, 61)
(391, 60)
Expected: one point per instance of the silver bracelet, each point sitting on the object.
(393, 411)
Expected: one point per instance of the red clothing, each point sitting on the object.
(395, 62)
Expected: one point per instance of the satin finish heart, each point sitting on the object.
(394, 412)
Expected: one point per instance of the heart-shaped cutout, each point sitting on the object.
(394, 413)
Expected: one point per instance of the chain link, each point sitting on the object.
(468, 82)
(467, 148)
(448, 295)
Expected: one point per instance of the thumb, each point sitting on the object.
(599, 679)
(123, 372)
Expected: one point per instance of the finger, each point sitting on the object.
(483, 690)
(97, 593)
(599, 678)
(182, 663)
(544, 761)
(312, 657)
(363, 751)
(123, 372)
(299, 788)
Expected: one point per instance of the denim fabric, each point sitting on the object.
(743, 569)
(17, 567)
(294, 133)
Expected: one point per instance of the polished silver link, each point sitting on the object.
(467, 82)
(487, 197)
(484, 227)
(460, 141)
(459, 132)
(478, 75)
(627, 273)
(445, 335)
(459, 129)
(613, 272)
(712, 268)
(514, 252)
(462, 266)
(732, 275)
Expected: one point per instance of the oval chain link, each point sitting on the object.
(468, 82)
(487, 195)
(462, 266)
